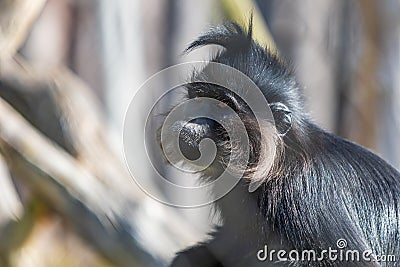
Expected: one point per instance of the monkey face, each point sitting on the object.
(238, 100)
(262, 140)
(224, 107)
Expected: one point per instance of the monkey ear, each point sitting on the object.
(282, 116)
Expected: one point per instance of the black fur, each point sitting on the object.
(323, 188)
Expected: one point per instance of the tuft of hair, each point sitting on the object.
(269, 72)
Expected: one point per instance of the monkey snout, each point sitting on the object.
(190, 135)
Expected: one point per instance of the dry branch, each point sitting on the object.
(10, 206)
(67, 187)
(16, 18)
(90, 188)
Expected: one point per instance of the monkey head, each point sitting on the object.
(265, 136)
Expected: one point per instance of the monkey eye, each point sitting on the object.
(199, 89)
(225, 101)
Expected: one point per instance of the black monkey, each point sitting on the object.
(320, 189)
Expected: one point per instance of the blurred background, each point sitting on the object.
(69, 68)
